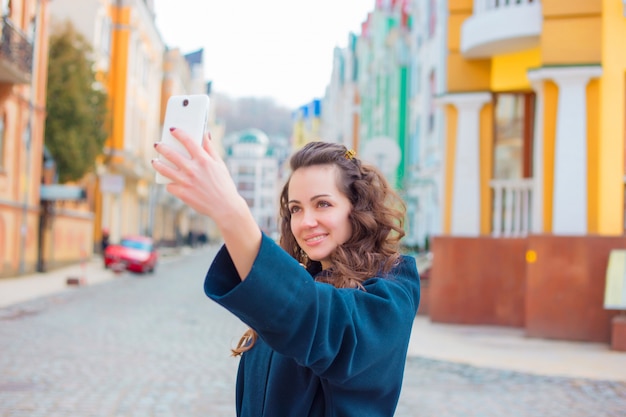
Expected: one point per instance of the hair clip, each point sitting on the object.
(350, 153)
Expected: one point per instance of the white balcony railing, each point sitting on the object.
(512, 201)
(484, 5)
(501, 26)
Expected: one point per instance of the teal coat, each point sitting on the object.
(322, 351)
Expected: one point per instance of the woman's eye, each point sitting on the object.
(293, 209)
(323, 203)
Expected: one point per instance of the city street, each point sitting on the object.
(155, 345)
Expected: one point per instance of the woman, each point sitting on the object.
(328, 340)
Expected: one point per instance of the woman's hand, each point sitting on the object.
(202, 181)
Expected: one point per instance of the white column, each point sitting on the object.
(569, 208)
(466, 176)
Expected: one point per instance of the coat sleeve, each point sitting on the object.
(338, 333)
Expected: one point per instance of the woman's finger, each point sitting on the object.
(188, 143)
(168, 170)
(173, 156)
(206, 139)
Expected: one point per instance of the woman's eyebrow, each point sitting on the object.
(315, 197)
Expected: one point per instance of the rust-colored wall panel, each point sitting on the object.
(562, 8)
(572, 41)
(618, 334)
(565, 287)
(477, 281)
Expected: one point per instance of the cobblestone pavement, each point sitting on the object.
(154, 345)
(443, 389)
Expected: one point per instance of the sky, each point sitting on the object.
(279, 49)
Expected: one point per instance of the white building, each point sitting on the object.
(340, 107)
(255, 171)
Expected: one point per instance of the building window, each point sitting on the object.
(6, 8)
(513, 135)
(105, 36)
(245, 186)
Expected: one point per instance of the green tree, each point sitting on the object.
(77, 109)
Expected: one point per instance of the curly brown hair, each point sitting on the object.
(377, 219)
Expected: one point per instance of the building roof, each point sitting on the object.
(253, 136)
(194, 57)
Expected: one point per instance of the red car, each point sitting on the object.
(133, 253)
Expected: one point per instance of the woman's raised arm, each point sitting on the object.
(203, 182)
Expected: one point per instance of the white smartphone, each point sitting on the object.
(189, 113)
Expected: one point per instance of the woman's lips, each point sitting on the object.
(315, 240)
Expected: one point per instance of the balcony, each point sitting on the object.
(512, 209)
(16, 54)
(501, 27)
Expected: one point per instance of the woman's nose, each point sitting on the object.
(308, 219)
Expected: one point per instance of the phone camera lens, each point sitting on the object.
(185, 102)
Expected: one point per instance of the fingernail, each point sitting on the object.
(153, 160)
(156, 144)
(172, 129)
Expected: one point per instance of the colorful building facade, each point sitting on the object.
(534, 179)
(512, 163)
(425, 150)
(383, 82)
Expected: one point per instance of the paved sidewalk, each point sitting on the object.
(482, 346)
(509, 349)
(27, 287)
(92, 272)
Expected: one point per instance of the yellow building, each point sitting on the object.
(134, 87)
(306, 124)
(139, 74)
(534, 179)
(23, 75)
(128, 59)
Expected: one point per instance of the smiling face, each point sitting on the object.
(319, 211)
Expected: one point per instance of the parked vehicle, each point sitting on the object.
(133, 253)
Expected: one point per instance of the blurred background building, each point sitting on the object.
(501, 123)
(128, 56)
(253, 162)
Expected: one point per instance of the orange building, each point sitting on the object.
(23, 75)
